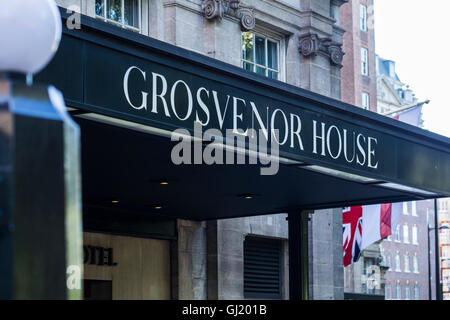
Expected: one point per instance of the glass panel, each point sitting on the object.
(261, 71)
(273, 75)
(100, 7)
(114, 10)
(247, 46)
(247, 66)
(272, 53)
(131, 14)
(260, 51)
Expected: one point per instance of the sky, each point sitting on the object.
(416, 35)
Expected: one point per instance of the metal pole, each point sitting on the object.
(295, 266)
(406, 108)
(298, 256)
(429, 260)
(437, 252)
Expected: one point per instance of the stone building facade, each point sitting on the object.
(295, 41)
(392, 93)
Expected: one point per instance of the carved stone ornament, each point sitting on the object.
(215, 9)
(311, 45)
(247, 19)
(336, 55)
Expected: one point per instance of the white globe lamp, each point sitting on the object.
(30, 33)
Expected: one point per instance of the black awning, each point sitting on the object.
(332, 154)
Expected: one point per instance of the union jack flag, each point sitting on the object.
(352, 237)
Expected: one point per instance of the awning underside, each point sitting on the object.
(123, 169)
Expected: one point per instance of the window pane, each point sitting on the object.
(131, 14)
(247, 66)
(364, 62)
(247, 46)
(260, 51)
(273, 75)
(363, 18)
(114, 10)
(261, 71)
(100, 7)
(272, 52)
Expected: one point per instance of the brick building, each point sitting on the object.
(358, 76)
(359, 87)
(444, 245)
(405, 253)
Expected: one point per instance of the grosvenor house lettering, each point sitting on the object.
(202, 104)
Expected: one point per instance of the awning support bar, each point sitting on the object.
(298, 255)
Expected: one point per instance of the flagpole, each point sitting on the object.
(405, 108)
(429, 256)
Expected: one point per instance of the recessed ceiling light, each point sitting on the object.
(247, 196)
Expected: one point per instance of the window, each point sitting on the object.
(407, 292)
(262, 268)
(397, 263)
(397, 233)
(405, 208)
(125, 13)
(387, 291)
(405, 233)
(415, 235)
(364, 62)
(415, 264)
(389, 262)
(406, 261)
(260, 55)
(365, 100)
(363, 18)
(414, 208)
(445, 251)
(416, 292)
(398, 290)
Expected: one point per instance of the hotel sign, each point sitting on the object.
(152, 83)
(171, 96)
